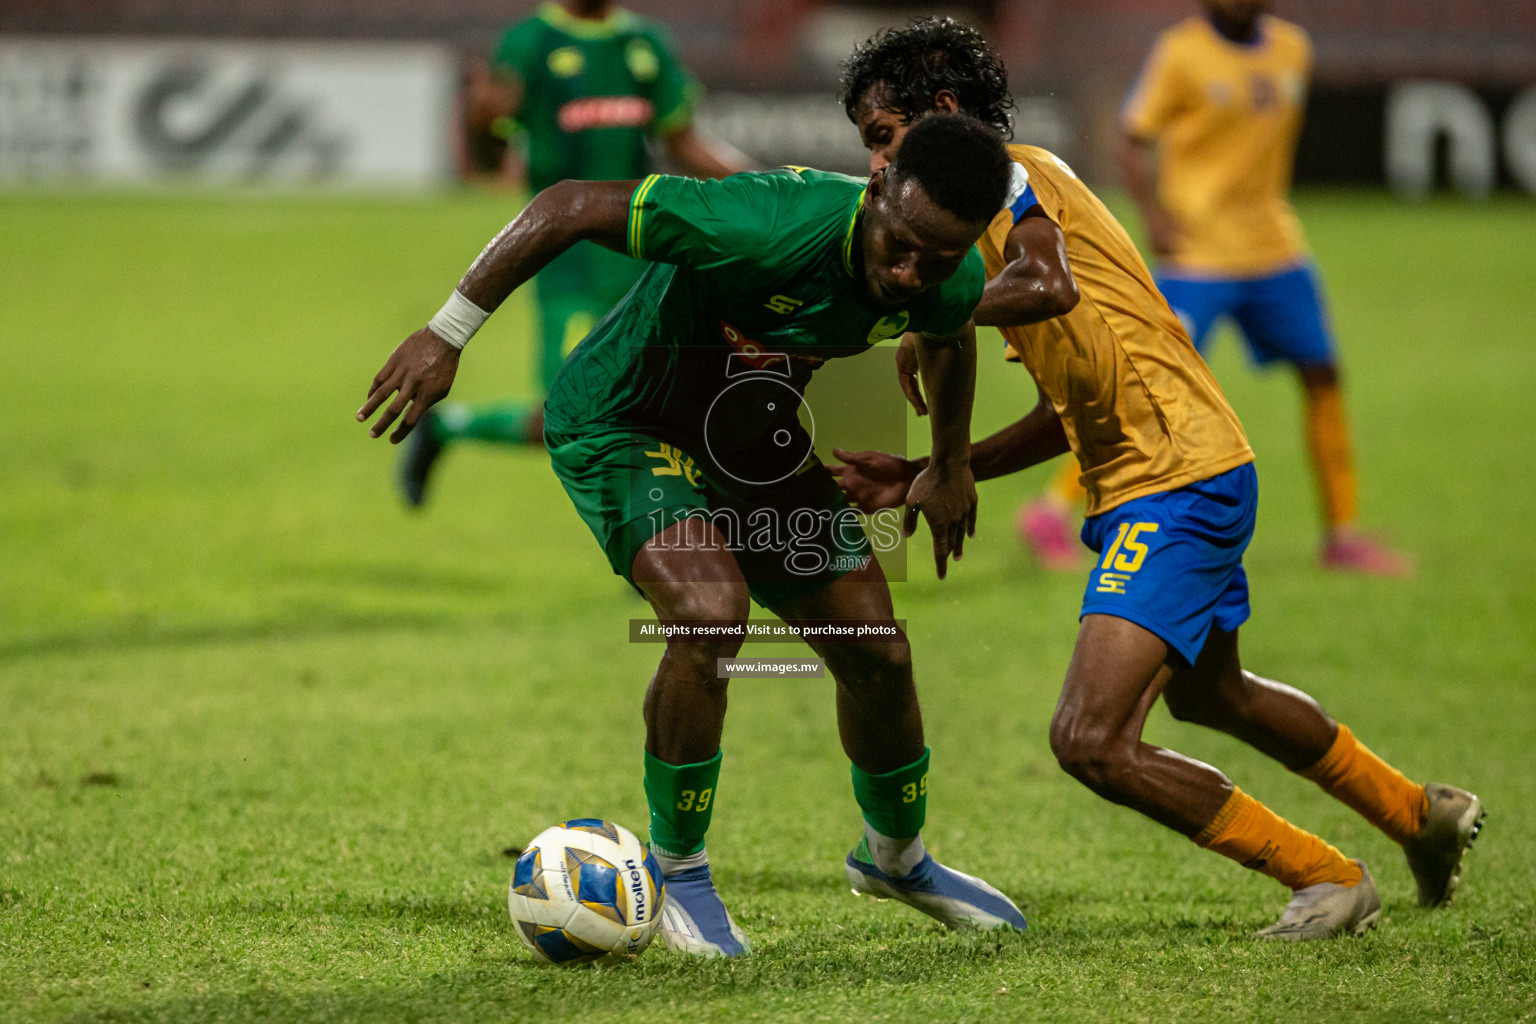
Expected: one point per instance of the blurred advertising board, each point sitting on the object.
(1421, 136)
(113, 112)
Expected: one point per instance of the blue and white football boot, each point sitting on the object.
(951, 897)
(695, 921)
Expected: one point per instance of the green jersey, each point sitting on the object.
(592, 90)
(755, 280)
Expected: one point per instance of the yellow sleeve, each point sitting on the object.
(1158, 93)
(1047, 190)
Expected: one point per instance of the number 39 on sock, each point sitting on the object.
(699, 801)
(912, 790)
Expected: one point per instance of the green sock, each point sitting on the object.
(894, 804)
(498, 422)
(682, 798)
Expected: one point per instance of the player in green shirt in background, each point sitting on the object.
(674, 428)
(588, 82)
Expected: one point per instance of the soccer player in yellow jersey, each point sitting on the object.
(1172, 496)
(1210, 133)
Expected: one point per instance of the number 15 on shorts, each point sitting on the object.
(1123, 557)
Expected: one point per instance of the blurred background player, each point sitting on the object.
(1172, 500)
(589, 82)
(1209, 140)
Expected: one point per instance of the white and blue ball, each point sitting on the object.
(583, 890)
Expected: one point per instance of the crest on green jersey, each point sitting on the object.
(888, 327)
(642, 60)
(567, 62)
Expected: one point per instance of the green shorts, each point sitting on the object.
(790, 538)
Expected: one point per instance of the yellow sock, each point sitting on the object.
(1332, 462)
(1351, 774)
(1067, 485)
(1256, 837)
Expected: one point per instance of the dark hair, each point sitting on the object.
(958, 162)
(918, 62)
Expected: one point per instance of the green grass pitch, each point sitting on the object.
(264, 735)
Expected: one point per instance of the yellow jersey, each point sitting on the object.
(1140, 407)
(1225, 117)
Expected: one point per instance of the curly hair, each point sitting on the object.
(959, 162)
(918, 62)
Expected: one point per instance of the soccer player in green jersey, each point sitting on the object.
(673, 428)
(589, 82)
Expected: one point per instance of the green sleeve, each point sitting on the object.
(730, 222)
(518, 52)
(943, 311)
(677, 92)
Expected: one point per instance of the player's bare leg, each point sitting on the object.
(878, 716)
(1345, 546)
(1271, 717)
(1435, 824)
(881, 726)
(688, 573)
(1118, 670)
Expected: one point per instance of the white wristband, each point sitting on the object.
(458, 320)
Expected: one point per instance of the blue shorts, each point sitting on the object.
(1281, 317)
(1173, 561)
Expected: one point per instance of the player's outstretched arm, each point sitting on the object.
(944, 492)
(556, 219)
(1036, 284)
(420, 371)
(1036, 438)
(877, 480)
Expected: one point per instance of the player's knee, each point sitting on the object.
(714, 606)
(720, 603)
(697, 662)
(890, 662)
(875, 671)
(1091, 752)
